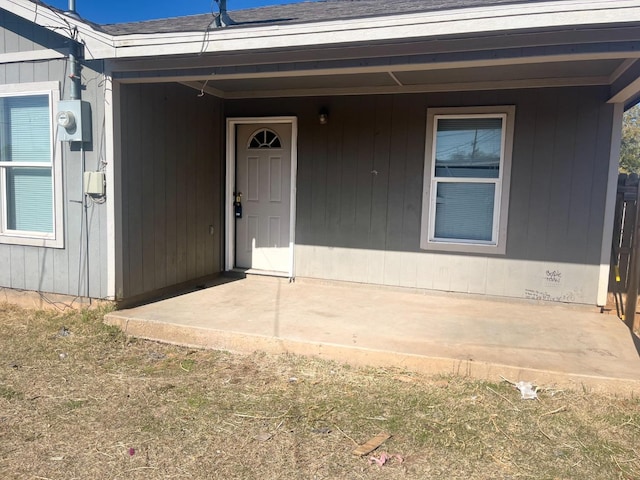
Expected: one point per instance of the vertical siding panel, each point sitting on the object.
(58, 71)
(365, 138)
(559, 193)
(218, 186)
(171, 187)
(582, 178)
(334, 129)
(599, 186)
(380, 180)
(26, 72)
(45, 262)
(396, 191)
(213, 185)
(125, 138)
(17, 267)
(305, 181)
(5, 270)
(98, 234)
(189, 164)
(319, 184)
(12, 73)
(60, 260)
(135, 194)
(74, 218)
(25, 34)
(349, 171)
(416, 112)
(32, 270)
(179, 157)
(397, 174)
(148, 126)
(3, 31)
(41, 71)
(545, 137)
(94, 262)
(521, 175)
(159, 115)
(202, 178)
(11, 38)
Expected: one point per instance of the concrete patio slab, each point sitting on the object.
(549, 344)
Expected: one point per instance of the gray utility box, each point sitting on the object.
(94, 183)
(74, 121)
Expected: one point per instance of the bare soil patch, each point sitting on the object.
(78, 400)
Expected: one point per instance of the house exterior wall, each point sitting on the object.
(172, 187)
(79, 268)
(360, 187)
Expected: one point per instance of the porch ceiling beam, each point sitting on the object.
(395, 79)
(627, 86)
(278, 71)
(401, 48)
(618, 72)
(446, 87)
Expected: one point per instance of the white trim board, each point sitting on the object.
(31, 56)
(499, 18)
(610, 204)
(113, 185)
(230, 183)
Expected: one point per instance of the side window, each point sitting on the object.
(467, 170)
(30, 170)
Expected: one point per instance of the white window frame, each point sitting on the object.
(54, 239)
(498, 243)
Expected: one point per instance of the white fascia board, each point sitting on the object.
(97, 44)
(530, 16)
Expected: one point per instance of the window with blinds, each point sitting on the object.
(465, 163)
(27, 166)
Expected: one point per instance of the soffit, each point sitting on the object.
(579, 73)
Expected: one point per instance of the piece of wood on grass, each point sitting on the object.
(372, 444)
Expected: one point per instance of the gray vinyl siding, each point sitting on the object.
(360, 184)
(19, 35)
(172, 186)
(80, 268)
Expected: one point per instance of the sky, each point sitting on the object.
(118, 11)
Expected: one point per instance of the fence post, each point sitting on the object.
(634, 273)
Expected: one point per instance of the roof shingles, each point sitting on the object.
(303, 12)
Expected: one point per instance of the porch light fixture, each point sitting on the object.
(323, 116)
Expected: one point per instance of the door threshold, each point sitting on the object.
(266, 273)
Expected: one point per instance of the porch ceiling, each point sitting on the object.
(550, 59)
(577, 73)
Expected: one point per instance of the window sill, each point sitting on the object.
(8, 239)
(459, 247)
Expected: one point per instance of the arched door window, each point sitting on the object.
(265, 138)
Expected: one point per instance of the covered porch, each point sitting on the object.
(552, 345)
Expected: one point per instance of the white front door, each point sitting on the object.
(263, 178)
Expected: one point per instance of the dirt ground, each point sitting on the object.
(78, 400)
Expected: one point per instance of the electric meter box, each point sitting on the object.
(74, 121)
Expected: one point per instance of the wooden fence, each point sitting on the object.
(621, 280)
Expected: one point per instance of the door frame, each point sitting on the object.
(230, 231)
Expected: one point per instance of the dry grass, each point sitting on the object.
(94, 405)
